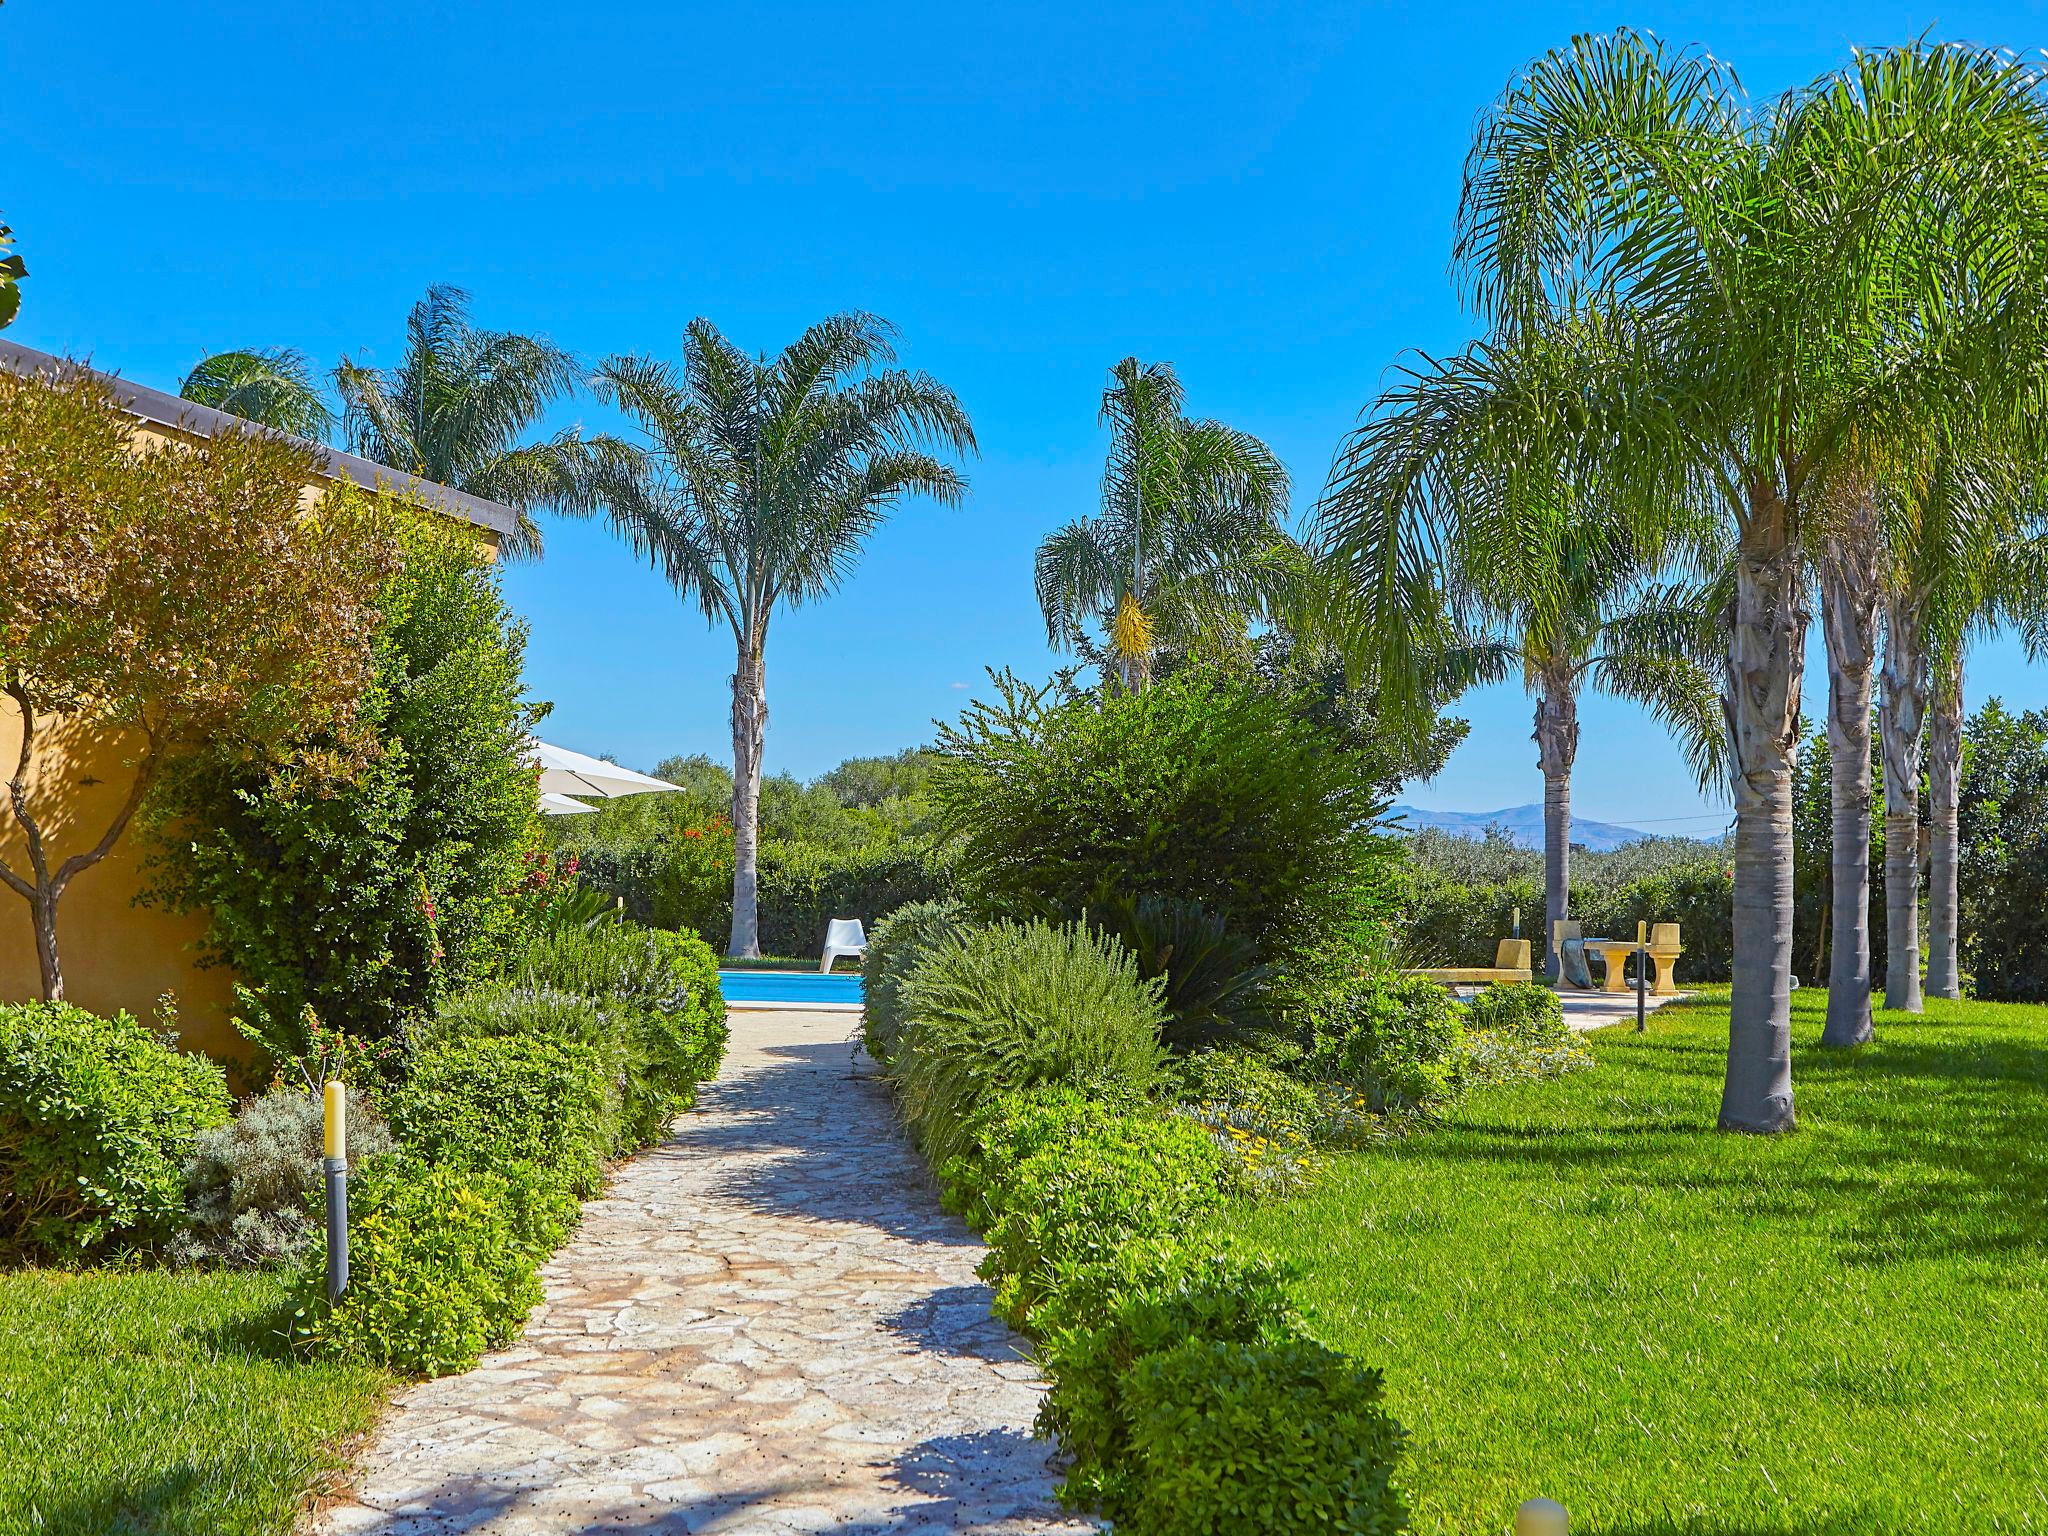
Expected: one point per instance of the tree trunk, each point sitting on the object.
(749, 738)
(1944, 793)
(1766, 658)
(1849, 587)
(43, 911)
(1902, 720)
(1557, 747)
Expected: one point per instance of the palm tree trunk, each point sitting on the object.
(1902, 720)
(1944, 793)
(1557, 747)
(1849, 586)
(749, 737)
(1766, 658)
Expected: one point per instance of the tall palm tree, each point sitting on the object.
(1462, 470)
(1187, 545)
(755, 487)
(1800, 283)
(456, 407)
(273, 386)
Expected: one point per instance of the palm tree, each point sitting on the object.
(756, 486)
(273, 386)
(1187, 545)
(458, 403)
(1460, 470)
(1799, 289)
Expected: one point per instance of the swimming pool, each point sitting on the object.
(791, 989)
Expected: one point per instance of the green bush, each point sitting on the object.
(1060, 1181)
(1229, 1437)
(1216, 990)
(896, 947)
(1400, 1039)
(249, 1184)
(2002, 876)
(1269, 1124)
(97, 1117)
(1013, 1006)
(661, 991)
(443, 1263)
(1151, 1297)
(388, 879)
(1199, 788)
(489, 1101)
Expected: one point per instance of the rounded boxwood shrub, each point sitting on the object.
(1013, 1006)
(97, 1117)
(1400, 1039)
(443, 1263)
(249, 1184)
(1229, 1437)
(895, 949)
(494, 1100)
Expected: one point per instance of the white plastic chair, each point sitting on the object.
(843, 936)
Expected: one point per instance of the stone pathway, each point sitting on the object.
(766, 1326)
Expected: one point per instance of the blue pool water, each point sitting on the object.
(793, 987)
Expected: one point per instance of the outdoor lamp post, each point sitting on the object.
(334, 1165)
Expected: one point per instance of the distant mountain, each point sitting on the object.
(1524, 823)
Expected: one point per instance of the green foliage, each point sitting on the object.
(492, 1100)
(897, 945)
(1152, 1296)
(250, 1184)
(390, 883)
(1517, 1031)
(1199, 788)
(97, 1117)
(12, 270)
(1229, 1437)
(1215, 989)
(443, 1263)
(1060, 1182)
(803, 888)
(993, 1010)
(660, 991)
(2002, 825)
(1400, 1039)
(1270, 1125)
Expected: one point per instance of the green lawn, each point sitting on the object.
(1579, 1289)
(144, 1401)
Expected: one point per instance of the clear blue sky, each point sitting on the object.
(1260, 194)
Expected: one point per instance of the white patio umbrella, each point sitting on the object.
(562, 805)
(563, 772)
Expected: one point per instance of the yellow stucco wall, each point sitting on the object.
(114, 953)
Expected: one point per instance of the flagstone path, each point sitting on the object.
(766, 1326)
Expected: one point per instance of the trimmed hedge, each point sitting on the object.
(494, 1101)
(97, 1117)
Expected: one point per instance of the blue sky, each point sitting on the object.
(1260, 194)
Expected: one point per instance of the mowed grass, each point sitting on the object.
(1579, 1289)
(146, 1401)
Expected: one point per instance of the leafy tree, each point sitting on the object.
(1798, 295)
(2003, 853)
(12, 270)
(387, 881)
(1187, 545)
(1535, 569)
(459, 403)
(273, 387)
(755, 487)
(168, 600)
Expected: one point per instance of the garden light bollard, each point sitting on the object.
(1542, 1517)
(334, 1164)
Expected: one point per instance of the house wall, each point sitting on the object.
(114, 953)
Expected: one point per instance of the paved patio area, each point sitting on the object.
(767, 1326)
